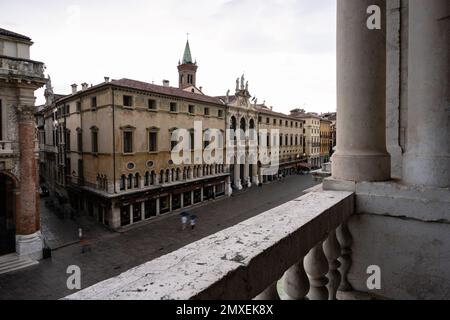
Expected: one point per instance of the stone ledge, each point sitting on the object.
(236, 263)
(397, 200)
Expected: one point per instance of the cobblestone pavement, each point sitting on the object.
(61, 231)
(113, 253)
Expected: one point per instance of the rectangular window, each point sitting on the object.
(173, 107)
(93, 102)
(220, 113)
(191, 109)
(274, 122)
(67, 140)
(94, 141)
(80, 141)
(128, 142)
(267, 120)
(78, 106)
(152, 141)
(259, 119)
(192, 139)
(206, 111)
(151, 104)
(127, 101)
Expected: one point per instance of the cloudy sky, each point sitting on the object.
(286, 48)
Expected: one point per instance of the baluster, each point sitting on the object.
(332, 251)
(344, 238)
(296, 282)
(316, 267)
(271, 293)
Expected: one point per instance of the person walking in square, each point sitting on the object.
(193, 221)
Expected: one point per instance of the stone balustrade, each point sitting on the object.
(16, 67)
(304, 243)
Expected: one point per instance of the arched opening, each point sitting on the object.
(7, 215)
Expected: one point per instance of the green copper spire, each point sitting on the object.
(187, 58)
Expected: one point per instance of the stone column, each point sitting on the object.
(427, 159)
(158, 209)
(28, 236)
(247, 173)
(255, 175)
(237, 177)
(115, 216)
(361, 94)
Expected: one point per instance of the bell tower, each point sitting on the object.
(187, 69)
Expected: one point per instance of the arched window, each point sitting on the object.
(161, 176)
(122, 182)
(147, 179)
(130, 181)
(152, 178)
(137, 180)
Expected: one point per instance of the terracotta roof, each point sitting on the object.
(11, 34)
(171, 91)
(265, 110)
(152, 88)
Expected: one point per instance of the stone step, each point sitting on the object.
(12, 262)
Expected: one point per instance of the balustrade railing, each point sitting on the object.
(300, 250)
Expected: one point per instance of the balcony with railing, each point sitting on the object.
(12, 67)
(303, 246)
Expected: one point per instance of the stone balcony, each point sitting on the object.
(300, 242)
(21, 69)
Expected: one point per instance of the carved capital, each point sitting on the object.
(26, 112)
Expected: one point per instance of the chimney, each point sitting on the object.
(74, 88)
(84, 86)
(166, 83)
(201, 88)
(106, 79)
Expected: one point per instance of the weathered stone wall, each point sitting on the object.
(414, 256)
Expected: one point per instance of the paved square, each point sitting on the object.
(113, 252)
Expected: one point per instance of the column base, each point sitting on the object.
(229, 189)
(30, 245)
(238, 185)
(256, 180)
(371, 168)
(426, 170)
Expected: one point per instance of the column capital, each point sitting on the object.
(26, 112)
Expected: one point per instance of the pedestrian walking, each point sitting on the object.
(184, 220)
(83, 242)
(193, 221)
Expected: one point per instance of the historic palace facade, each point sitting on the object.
(19, 199)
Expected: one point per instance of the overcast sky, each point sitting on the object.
(286, 48)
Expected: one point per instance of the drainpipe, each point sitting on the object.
(114, 139)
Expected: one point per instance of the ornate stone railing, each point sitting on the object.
(304, 242)
(11, 66)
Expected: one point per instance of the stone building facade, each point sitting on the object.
(325, 140)
(291, 139)
(19, 200)
(312, 135)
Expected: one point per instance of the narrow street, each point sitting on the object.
(113, 253)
